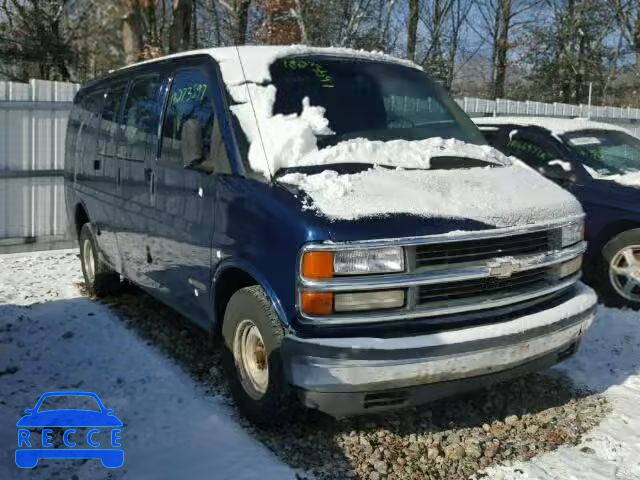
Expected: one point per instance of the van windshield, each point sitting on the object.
(607, 152)
(371, 100)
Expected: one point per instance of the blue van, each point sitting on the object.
(334, 217)
(599, 163)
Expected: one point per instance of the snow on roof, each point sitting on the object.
(557, 126)
(256, 59)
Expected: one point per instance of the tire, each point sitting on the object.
(618, 273)
(99, 278)
(257, 381)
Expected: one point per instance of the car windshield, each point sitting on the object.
(69, 402)
(371, 100)
(606, 152)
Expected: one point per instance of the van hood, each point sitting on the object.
(490, 197)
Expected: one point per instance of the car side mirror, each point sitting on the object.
(191, 144)
(559, 170)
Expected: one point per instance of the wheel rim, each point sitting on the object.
(251, 359)
(624, 273)
(89, 260)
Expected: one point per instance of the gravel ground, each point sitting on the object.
(451, 439)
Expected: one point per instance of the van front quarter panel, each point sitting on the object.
(260, 228)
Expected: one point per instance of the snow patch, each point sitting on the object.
(557, 126)
(506, 196)
(566, 166)
(630, 179)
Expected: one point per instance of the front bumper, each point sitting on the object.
(351, 376)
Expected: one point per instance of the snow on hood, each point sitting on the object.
(557, 126)
(507, 196)
(630, 179)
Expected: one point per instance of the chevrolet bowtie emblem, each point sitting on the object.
(502, 269)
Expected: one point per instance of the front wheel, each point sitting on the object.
(252, 335)
(620, 276)
(99, 278)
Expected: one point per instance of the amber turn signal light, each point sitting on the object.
(317, 303)
(317, 265)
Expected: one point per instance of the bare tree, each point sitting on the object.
(412, 30)
(628, 15)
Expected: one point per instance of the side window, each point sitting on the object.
(88, 129)
(107, 137)
(140, 119)
(532, 152)
(190, 134)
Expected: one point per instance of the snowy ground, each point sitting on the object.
(52, 338)
(58, 340)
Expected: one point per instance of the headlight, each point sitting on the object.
(359, 301)
(571, 267)
(572, 234)
(325, 264)
(373, 260)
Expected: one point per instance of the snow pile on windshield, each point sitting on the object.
(514, 195)
(282, 141)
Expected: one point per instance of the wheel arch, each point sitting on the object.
(614, 229)
(80, 217)
(231, 276)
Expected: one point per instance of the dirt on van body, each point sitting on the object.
(449, 439)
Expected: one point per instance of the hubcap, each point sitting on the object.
(89, 260)
(624, 272)
(251, 359)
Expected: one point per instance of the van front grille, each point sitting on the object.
(485, 287)
(473, 250)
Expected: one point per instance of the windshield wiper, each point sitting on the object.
(446, 162)
(343, 168)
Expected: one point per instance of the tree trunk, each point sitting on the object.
(412, 35)
(131, 32)
(179, 32)
(241, 8)
(636, 40)
(281, 26)
(503, 48)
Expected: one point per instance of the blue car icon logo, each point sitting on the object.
(103, 428)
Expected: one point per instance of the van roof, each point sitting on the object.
(557, 126)
(256, 60)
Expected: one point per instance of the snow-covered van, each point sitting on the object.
(334, 217)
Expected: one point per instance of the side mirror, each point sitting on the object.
(191, 144)
(559, 170)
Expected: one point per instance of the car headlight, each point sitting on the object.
(571, 267)
(572, 234)
(366, 261)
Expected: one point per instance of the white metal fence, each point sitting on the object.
(33, 119)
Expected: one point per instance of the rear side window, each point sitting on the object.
(140, 119)
(191, 105)
(109, 122)
(89, 120)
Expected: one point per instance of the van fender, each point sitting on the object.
(250, 270)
